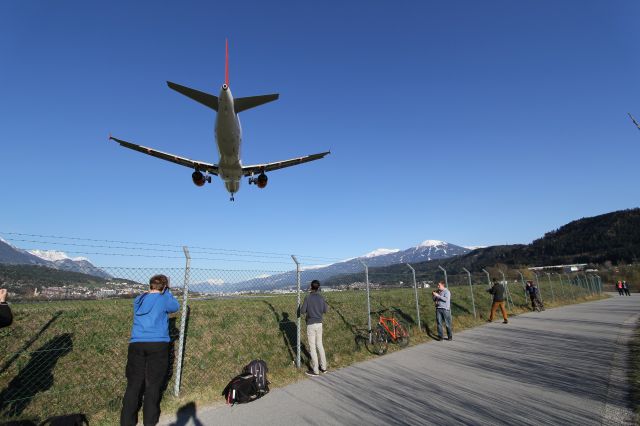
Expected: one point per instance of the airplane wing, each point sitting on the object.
(634, 121)
(192, 164)
(267, 167)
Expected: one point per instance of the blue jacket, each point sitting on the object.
(150, 317)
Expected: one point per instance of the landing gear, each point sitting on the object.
(232, 198)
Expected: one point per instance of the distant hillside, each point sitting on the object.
(427, 250)
(613, 237)
(11, 255)
(23, 277)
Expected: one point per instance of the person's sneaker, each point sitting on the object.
(311, 373)
(438, 338)
(450, 338)
(489, 320)
(505, 322)
(323, 371)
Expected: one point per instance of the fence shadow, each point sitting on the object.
(360, 335)
(68, 420)
(289, 330)
(187, 415)
(36, 376)
(461, 308)
(404, 316)
(30, 342)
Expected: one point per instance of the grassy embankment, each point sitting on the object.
(68, 357)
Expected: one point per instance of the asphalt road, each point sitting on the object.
(564, 366)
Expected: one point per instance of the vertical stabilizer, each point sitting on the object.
(226, 62)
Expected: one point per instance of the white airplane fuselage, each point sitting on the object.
(228, 134)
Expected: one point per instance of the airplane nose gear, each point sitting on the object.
(232, 198)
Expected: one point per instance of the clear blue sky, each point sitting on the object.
(473, 122)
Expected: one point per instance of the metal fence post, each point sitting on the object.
(446, 281)
(366, 277)
(599, 283)
(572, 293)
(473, 303)
(553, 296)
(586, 283)
(183, 321)
(415, 290)
(524, 287)
(561, 286)
(535, 274)
(298, 322)
(488, 277)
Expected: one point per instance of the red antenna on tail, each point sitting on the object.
(226, 62)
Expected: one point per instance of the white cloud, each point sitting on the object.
(214, 281)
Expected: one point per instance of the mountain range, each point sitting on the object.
(425, 251)
(12, 255)
(612, 237)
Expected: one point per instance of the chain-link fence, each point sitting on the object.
(67, 348)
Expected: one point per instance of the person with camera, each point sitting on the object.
(148, 353)
(442, 299)
(6, 317)
(497, 291)
(314, 307)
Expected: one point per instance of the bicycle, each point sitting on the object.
(388, 328)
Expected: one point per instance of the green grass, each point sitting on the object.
(86, 375)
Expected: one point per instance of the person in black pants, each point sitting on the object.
(148, 354)
(6, 317)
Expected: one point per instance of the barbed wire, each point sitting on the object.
(207, 250)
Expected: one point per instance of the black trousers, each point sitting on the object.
(6, 317)
(147, 366)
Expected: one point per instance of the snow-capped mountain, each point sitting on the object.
(427, 250)
(49, 258)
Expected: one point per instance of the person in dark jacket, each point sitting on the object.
(148, 354)
(534, 295)
(497, 290)
(314, 307)
(625, 287)
(6, 317)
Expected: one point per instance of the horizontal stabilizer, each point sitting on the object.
(198, 96)
(241, 104)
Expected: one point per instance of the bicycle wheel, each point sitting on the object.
(403, 335)
(378, 344)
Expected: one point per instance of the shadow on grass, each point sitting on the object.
(289, 330)
(360, 334)
(36, 376)
(66, 420)
(30, 342)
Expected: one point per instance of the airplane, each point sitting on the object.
(228, 135)
(634, 120)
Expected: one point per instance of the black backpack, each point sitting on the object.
(241, 389)
(258, 368)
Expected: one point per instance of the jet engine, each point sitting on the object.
(260, 181)
(198, 178)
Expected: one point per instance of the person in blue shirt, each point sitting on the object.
(442, 299)
(148, 354)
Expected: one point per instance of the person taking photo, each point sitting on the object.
(148, 353)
